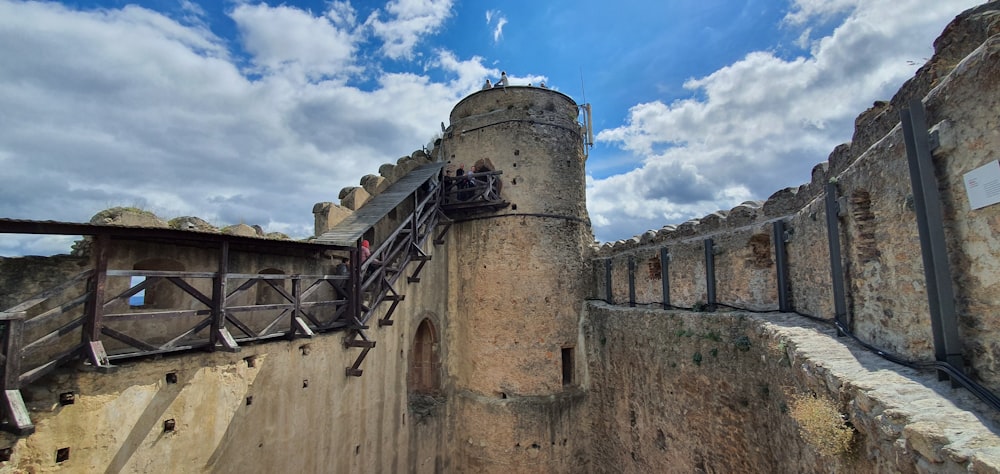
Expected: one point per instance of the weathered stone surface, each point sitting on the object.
(327, 215)
(354, 198)
(391, 172)
(128, 216)
(374, 185)
(192, 223)
(672, 384)
(242, 230)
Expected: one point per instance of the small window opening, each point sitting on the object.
(67, 398)
(138, 299)
(62, 454)
(567, 366)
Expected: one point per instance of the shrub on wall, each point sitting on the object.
(821, 424)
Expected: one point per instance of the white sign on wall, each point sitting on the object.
(983, 185)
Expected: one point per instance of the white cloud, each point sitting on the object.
(293, 42)
(761, 123)
(501, 22)
(408, 21)
(128, 107)
(804, 11)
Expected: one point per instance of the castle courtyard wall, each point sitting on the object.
(687, 392)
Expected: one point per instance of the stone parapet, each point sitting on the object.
(887, 301)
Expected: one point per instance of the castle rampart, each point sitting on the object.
(877, 225)
(496, 361)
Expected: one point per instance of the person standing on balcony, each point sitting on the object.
(366, 250)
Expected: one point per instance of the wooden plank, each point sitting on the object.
(194, 291)
(12, 353)
(98, 356)
(302, 328)
(197, 327)
(134, 342)
(43, 342)
(349, 231)
(223, 337)
(42, 370)
(26, 305)
(131, 291)
(218, 333)
(54, 312)
(159, 274)
(98, 283)
(155, 315)
(18, 418)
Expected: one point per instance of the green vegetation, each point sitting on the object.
(742, 343)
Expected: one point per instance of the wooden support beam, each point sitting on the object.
(355, 370)
(302, 328)
(18, 418)
(439, 240)
(219, 336)
(225, 340)
(99, 357)
(94, 309)
(12, 350)
(359, 343)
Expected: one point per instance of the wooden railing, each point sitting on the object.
(82, 319)
(473, 190)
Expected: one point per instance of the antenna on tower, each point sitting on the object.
(588, 136)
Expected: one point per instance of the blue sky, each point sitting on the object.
(252, 112)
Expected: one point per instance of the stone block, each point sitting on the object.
(374, 184)
(128, 216)
(241, 230)
(327, 215)
(355, 198)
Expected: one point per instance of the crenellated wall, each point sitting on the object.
(876, 223)
(497, 363)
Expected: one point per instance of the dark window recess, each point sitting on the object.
(567, 366)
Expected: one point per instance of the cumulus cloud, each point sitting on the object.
(127, 107)
(762, 122)
(408, 21)
(286, 40)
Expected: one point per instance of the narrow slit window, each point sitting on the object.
(138, 299)
(567, 366)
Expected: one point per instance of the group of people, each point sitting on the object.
(502, 82)
(467, 183)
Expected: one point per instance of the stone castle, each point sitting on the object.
(847, 325)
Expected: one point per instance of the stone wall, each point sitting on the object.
(687, 392)
(886, 291)
(281, 406)
(516, 302)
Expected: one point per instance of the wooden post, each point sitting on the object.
(19, 421)
(220, 337)
(94, 309)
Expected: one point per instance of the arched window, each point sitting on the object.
(161, 294)
(425, 366)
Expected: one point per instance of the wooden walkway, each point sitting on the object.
(349, 232)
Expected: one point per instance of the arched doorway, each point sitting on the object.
(425, 366)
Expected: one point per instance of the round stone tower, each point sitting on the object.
(514, 357)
